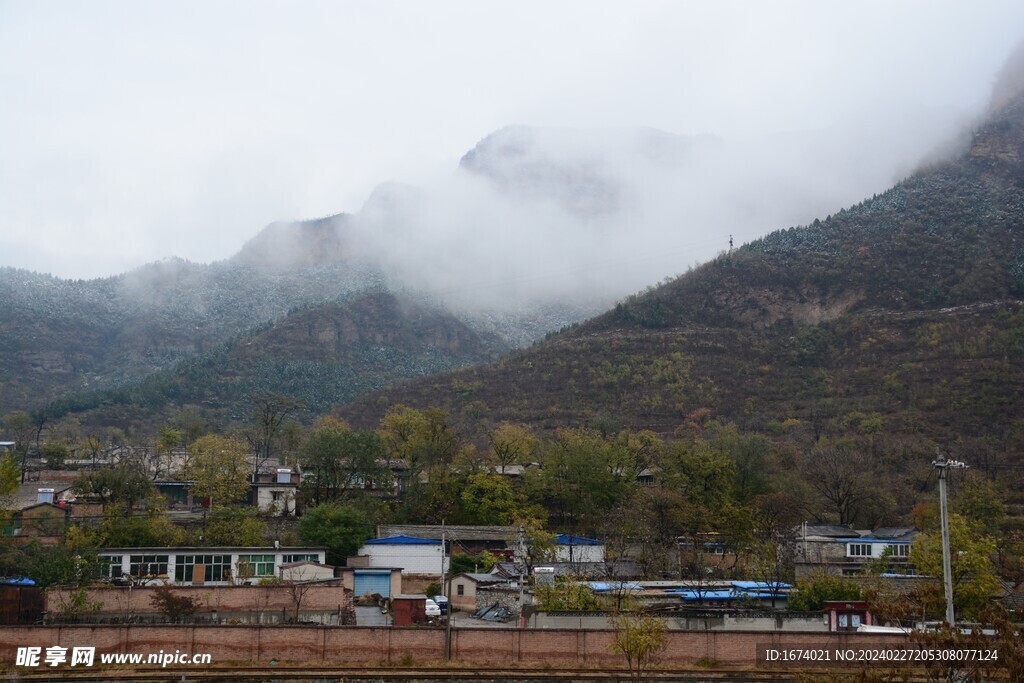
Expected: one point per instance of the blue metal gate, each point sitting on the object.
(369, 581)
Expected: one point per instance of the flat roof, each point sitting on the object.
(209, 549)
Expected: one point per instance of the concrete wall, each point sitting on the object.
(789, 622)
(482, 647)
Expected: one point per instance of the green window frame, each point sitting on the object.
(307, 557)
(218, 567)
(259, 565)
(147, 565)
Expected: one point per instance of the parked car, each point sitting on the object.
(442, 602)
(433, 609)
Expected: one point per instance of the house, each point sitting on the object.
(44, 491)
(193, 566)
(839, 550)
(177, 493)
(413, 554)
(578, 550)
(465, 587)
(500, 540)
(276, 492)
(45, 522)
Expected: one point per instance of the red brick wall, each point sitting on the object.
(138, 600)
(484, 647)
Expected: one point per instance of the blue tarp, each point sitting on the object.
(402, 540)
(566, 539)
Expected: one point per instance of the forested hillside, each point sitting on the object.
(319, 355)
(899, 316)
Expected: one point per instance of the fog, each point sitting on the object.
(628, 141)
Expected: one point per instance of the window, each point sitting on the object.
(110, 566)
(849, 621)
(255, 565)
(858, 550)
(310, 557)
(900, 550)
(215, 567)
(460, 589)
(147, 565)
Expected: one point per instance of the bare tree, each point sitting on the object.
(840, 475)
(270, 412)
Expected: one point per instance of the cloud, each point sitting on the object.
(132, 132)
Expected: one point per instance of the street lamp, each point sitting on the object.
(944, 466)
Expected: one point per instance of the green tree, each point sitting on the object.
(49, 565)
(639, 638)
(465, 563)
(218, 469)
(10, 475)
(582, 478)
(55, 454)
(512, 444)
(422, 438)
(338, 462)
(120, 529)
(567, 596)
(122, 485)
(173, 606)
(970, 552)
(19, 426)
(704, 474)
(488, 499)
(811, 593)
(234, 526)
(341, 528)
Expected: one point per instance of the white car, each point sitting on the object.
(433, 609)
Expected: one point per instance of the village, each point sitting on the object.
(460, 576)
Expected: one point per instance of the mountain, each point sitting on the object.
(64, 336)
(537, 229)
(320, 355)
(901, 314)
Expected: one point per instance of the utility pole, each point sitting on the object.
(522, 571)
(446, 589)
(943, 466)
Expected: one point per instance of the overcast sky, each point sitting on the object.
(133, 131)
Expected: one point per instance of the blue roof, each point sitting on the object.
(605, 586)
(758, 585)
(691, 595)
(403, 540)
(566, 539)
(18, 581)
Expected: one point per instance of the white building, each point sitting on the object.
(413, 555)
(192, 566)
(577, 549)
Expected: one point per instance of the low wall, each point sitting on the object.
(696, 621)
(484, 647)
